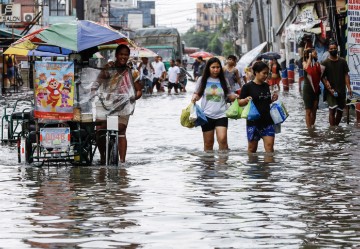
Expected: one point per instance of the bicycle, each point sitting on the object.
(18, 78)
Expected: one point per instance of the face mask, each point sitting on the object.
(333, 52)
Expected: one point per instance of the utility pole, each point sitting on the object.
(276, 20)
(241, 29)
(248, 21)
(257, 9)
(262, 21)
(108, 11)
(333, 21)
(270, 35)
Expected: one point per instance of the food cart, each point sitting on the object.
(58, 125)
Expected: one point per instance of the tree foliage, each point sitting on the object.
(217, 42)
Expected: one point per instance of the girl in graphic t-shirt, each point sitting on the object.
(258, 90)
(213, 90)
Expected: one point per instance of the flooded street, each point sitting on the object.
(170, 194)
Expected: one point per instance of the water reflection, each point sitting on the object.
(80, 204)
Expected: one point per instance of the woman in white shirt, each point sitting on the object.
(214, 90)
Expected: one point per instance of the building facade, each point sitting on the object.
(208, 16)
(133, 18)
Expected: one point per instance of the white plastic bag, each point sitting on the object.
(193, 115)
(278, 112)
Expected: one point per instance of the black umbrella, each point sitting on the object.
(270, 55)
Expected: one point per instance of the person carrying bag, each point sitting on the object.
(257, 98)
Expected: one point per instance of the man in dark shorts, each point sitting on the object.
(336, 79)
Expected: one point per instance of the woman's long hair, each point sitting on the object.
(307, 52)
(206, 75)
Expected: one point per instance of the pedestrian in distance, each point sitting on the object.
(121, 82)
(214, 91)
(311, 89)
(195, 67)
(275, 76)
(146, 71)
(258, 91)
(336, 79)
(10, 72)
(159, 75)
(183, 76)
(201, 67)
(232, 74)
(173, 73)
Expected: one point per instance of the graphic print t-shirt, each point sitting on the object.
(213, 100)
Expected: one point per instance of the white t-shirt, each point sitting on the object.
(213, 100)
(173, 73)
(159, 68)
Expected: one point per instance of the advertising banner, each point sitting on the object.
(353, 43)
(54, 90)
(10, 13)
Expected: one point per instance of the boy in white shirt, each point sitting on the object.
(173, 72)
(159, 74)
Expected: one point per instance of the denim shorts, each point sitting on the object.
(255, 133)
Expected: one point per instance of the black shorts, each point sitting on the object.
(172, 85)
(212, 123)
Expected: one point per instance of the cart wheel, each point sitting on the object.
(86, 154)
(28, 150)
(113, 152)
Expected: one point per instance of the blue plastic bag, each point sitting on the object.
(201, 118)
(253, 112)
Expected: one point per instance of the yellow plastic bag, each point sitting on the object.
(185, 114)
(246, 110)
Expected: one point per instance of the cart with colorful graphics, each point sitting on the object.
(61, 127)
(54, 133)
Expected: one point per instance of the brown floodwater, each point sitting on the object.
(170, 194)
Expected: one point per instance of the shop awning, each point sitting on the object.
(7, 37)
(7, 33)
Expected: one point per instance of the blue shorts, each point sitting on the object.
(10, 72)
(255, 133)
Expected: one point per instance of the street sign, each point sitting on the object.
(10, 13)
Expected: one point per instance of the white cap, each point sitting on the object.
(110, 60)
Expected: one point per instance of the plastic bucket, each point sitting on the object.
(291, 73)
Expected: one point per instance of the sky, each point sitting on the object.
(180, 14)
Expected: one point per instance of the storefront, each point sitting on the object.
(7, 37)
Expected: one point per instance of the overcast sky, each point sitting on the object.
(180, 14)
